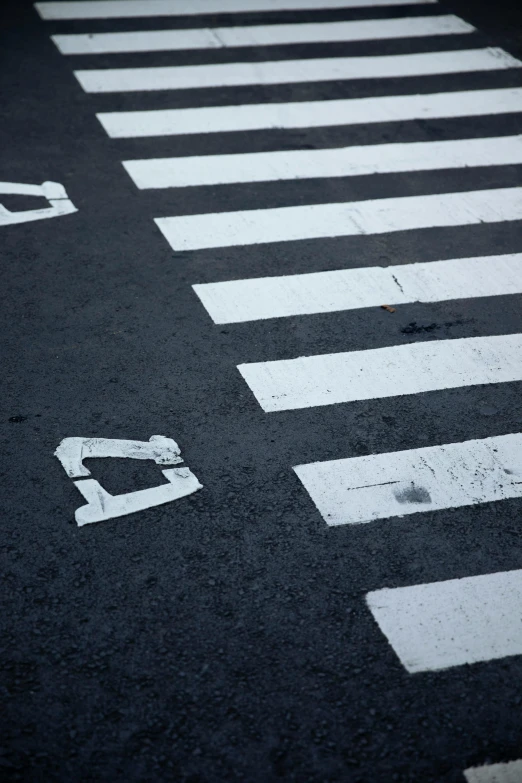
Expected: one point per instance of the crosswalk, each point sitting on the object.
(267, 35)
(309, 114)
(194, 77)
(319, 221)
(432, 626)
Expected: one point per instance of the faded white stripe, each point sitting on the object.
(309, 114)
(378, 216)
(331, 378)
(380, 486)
(511, 772)
(338, 162)
(443, 624)
(235, 301)
(120, 9)
(267, 35)
(293, 71)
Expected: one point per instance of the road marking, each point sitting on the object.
(220, 119)
(444, 624)
(120, 9)
(266, 35)
(310, 114)
(72, 451)
(495, 773)
(352, 161)
(55, 194)
(236, 301)
(380, 486)
(100, 504)
(330, 378)
(315, 221)
(187, 77)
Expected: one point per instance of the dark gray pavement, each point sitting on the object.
(225, 637)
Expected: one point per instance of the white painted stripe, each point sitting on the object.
(330, 378)
(186, 77)
(120, 9)
(309, 114)
(267, 35)
(314, 221)
(443, 624)
(495, 773)
(338, 162)
(380, 486)
(236, 301)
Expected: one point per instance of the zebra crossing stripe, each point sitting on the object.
(314, 221)
(495, 773)
(121, 9)
(309, 114)
(326, 379)
(293, 71)
(444, 624)
(327, 163)
(380, 486)
(267, 35)
(236, 301)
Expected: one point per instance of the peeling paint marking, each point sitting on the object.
(352, 218)
(461, 621)
(380, 486)
(101, 505)
(355, 161)
(310, 381)
(236, 301)
(310, 114)
(185, 77)
(511, 772)
(121, 9)
(266, 35)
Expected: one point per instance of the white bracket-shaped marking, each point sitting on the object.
(100, 504)
(52, 191)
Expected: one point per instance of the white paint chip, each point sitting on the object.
(352, 218)
(326, 379)
(461, 621)
(310, 114)
(355, 161)
(381, 486)
(236, 301)
(121, 9)
(266, 35)
(185, 77)
(510, 772)
(100, 504)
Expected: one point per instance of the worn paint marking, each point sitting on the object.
(382, 486)
(266, 35)
(236, 301)
(326, 379)
(310, 114)
(352, 218)
(187, 77)
(121, 9)
(461, 621)
(511, 772)
(101, 505)
(352, 161)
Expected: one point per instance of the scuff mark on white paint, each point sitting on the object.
(380, 486)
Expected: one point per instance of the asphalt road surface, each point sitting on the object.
(302, 163)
